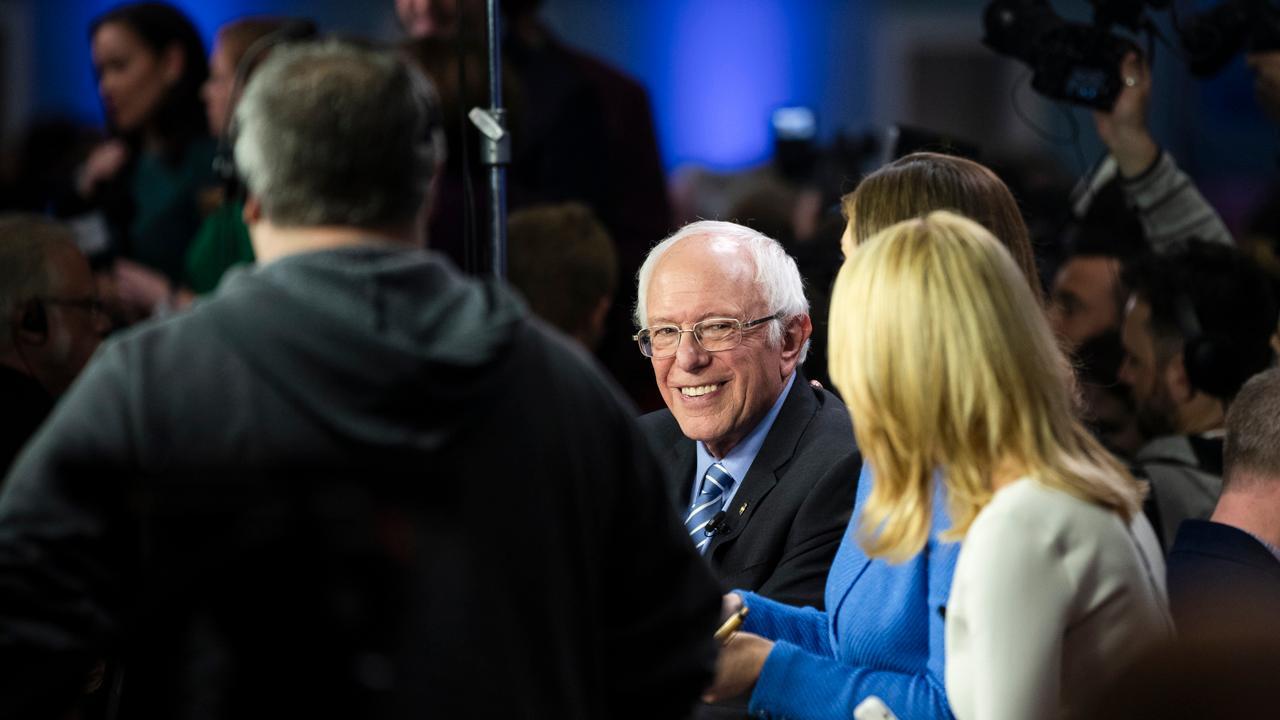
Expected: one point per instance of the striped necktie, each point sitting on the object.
(715, 487)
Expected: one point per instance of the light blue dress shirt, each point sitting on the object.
(739, 459)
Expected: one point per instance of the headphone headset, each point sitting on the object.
(34, 319)
(1216, 364)
(224, 159)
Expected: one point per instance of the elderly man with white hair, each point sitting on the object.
(762, 466)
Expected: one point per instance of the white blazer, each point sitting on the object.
(1052, 597)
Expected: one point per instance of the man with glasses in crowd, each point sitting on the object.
(54, 323)
(762, 466)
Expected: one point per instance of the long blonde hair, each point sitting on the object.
(947, 362)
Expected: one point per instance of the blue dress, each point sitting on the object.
(882, 634)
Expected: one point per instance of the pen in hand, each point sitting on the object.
(731, 625)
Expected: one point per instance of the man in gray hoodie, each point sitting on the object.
(353, 483)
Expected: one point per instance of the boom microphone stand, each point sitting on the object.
(495, 144)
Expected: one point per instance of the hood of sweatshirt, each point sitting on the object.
(384, 345)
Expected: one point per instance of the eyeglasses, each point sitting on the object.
(712, 334)
(88, 304)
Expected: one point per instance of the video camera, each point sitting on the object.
(1070, 61)
(1213, 38)
(1080, 63)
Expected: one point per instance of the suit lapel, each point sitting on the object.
(778, 449)
(745, 503)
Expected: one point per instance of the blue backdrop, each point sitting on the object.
(715, 70)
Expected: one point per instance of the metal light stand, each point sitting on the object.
(495, 145)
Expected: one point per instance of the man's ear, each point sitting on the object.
(794, 336)
(252, 213)
(28, 324)
(1174, 376)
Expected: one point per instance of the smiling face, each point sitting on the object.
(718, 398)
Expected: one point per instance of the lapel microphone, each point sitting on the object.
(716, 525)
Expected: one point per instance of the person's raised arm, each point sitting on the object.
(1167, 202)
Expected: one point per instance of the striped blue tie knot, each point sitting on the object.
(715, 488)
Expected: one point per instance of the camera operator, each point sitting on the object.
(1087, 294)
(1167, 203)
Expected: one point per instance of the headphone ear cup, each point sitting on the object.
(1198, 359)
(224, 167)
(1218, 366)
(34, 318)
(224, 161)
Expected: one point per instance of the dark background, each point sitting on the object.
(715, 70)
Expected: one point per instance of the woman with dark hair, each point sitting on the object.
(222, 241)
(150, 178)
(920, 183)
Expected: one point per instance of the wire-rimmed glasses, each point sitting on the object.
(712, 335)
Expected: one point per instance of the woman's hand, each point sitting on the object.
(144, 292)
(738, 666)
(104, 162)
(729, 604)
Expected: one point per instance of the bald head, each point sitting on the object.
(726, 324)
(699, 259)
(1251, 452)
(770, 271)
(30, 248)
(50, 300)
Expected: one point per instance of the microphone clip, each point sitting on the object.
(716, 525)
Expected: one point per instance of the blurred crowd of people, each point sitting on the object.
(965, 441)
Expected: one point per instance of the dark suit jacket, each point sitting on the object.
(1221, 578)
(798, 497)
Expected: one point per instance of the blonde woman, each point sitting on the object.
(881, 631)
(946, 361)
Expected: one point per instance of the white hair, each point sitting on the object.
(777, 277)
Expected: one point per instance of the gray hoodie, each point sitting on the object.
(351, 484)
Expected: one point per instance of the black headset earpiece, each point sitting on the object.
(34, 317)
(33, 320)
(1214, 363)
(224, 159)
